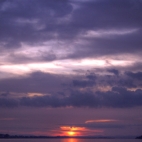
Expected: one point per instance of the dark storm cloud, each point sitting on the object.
(137, 75)
(114, 71)
(116, 78)
(87, 81)
(22, 21)
(39, 57)
(83, 83)
(38, 82)
(109, 45)
(41, 82)
(136, 67)
(35, 21)
(91, 29)
(56, 94)
(8, 102)
(109, 14)
(116, 98)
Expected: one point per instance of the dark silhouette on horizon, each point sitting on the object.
(7, 136)
(139, 137)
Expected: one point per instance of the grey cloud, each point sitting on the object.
(60, 95)
(116, 45)
(116, 98)
(83, 83)
(35, 82)
(114, 71)
(45, 20)
(120, 97)
(22, 22)
(40, 56)
(137, 75)
(8, 102)
(115, 79)
(63, 96)
(41, 82)
(137, 66)
(109, 14)
(91, 76)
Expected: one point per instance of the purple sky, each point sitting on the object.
(71, 67)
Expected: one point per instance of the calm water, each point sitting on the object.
(69, 140)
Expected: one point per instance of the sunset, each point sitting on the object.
(70, 69)
(71, 133)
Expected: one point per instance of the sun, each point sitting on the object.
(71, 133)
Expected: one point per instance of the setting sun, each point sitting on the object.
(71, 133)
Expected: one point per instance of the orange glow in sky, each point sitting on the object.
(71, 133)
(100, 120)
(68, 128)
(78, 131)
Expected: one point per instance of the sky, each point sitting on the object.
(71, 67)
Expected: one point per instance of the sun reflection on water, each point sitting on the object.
(71, 140)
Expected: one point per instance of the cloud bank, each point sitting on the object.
(91, 90)
(70, 53)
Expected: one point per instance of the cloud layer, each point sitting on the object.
(69, 29)
(116, 98)
(92, 90)
(70, 53)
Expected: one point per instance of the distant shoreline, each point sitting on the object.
(7, 136)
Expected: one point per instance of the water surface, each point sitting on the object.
(69, 140)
